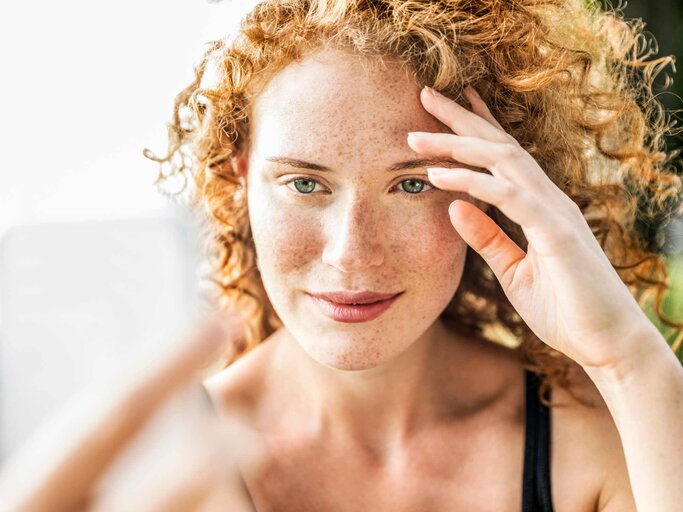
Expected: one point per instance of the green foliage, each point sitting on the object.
(672, 303)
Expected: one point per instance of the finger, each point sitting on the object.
(477, 184)
(504, 160)
(481, 233)
(460, 120)
(174, 463)
(516, 204)
(468, 150)
(479, 107)
(65, 456)
(183, 486)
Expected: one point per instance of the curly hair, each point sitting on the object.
(567, 79)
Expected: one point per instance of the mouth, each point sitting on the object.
(353, 308)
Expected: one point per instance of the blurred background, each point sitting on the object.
(87, 86)
(664, 29)
(93, 259)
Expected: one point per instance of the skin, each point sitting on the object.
(362, 235)
(401, 395)
(140, 438)
(400, 414)
(356, 230)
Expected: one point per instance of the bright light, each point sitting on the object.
(86, 86)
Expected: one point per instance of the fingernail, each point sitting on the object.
(435, 171)
(435, 93)
(418, 135)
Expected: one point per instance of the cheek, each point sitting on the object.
(431, 258)
(287, 238)
(427, 240)
(418, 239)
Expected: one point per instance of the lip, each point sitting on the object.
(335, 305)
(346, 297)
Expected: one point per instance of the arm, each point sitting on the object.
(646, 402)
(565, 288)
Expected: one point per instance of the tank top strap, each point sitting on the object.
(536, 495)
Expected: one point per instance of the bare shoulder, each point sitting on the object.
(588, 466)
(238, 387)
(592, 429)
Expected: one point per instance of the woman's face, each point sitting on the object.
(358, 225)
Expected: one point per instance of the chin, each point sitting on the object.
(350, 365)
(356, 354)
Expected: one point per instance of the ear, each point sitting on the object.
(239, 163)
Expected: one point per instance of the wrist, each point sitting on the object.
(650, 350)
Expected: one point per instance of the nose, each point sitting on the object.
(355, 240)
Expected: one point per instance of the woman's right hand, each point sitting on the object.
(145, 438)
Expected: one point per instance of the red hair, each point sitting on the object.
(568, 80)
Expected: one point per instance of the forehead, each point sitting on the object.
(338, 102)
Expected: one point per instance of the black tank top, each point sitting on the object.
(536, 495)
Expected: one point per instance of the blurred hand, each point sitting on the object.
(145, 438)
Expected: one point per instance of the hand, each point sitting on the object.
(564, 286)
(145, 438)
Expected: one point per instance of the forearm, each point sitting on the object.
(646, 403)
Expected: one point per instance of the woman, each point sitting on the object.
(406, 404)
(419, 272)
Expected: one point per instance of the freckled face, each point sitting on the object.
(356, 226)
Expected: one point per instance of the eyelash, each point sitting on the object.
(413, 197)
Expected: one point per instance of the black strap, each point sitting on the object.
(536, 495)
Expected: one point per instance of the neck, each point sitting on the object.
(378, 407)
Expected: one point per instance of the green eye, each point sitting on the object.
(304, 185)
(412, 186)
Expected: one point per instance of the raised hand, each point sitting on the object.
(564, 286)
(144, 438)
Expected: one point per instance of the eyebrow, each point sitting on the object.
(400, 166)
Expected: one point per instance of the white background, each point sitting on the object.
(85, 87)
(89, 265)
